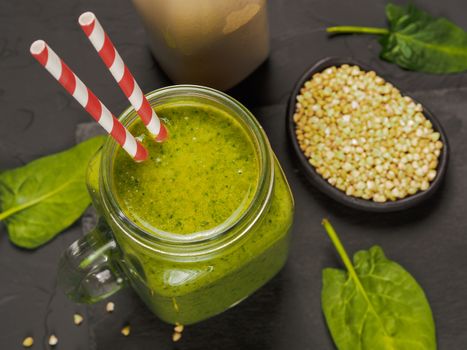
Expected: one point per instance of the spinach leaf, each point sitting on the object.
(417, 41)
(44, 197)
(375, 304)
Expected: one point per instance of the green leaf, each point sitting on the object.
(42, 198)
(394, 12)
(375, 304)
(419, 42)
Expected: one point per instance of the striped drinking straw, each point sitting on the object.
(65, 76)
(109, 54)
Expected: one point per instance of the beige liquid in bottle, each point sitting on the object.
(215, 43)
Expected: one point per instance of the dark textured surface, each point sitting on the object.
(38, 118)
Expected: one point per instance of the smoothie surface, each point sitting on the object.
(204, 175)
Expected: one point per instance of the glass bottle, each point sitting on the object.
(216, 43)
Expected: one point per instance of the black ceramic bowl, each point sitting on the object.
(354, 202)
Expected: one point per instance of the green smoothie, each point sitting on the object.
(205, 176)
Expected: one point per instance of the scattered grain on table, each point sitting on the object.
(176, 336)
(126, 330)
(28, 342)
(77, 319)
(110, 307)
(178, 328)
(53, 340)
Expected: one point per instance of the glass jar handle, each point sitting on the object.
(89, 269)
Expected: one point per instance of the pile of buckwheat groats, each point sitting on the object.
(364, 137)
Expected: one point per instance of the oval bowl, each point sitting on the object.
(320, 183)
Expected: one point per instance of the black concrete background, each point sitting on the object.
(38, 118)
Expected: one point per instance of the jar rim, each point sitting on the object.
(215, 237)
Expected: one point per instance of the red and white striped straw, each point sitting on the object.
(109, 54)
(65, 76)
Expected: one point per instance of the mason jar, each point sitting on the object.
(183, 278)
